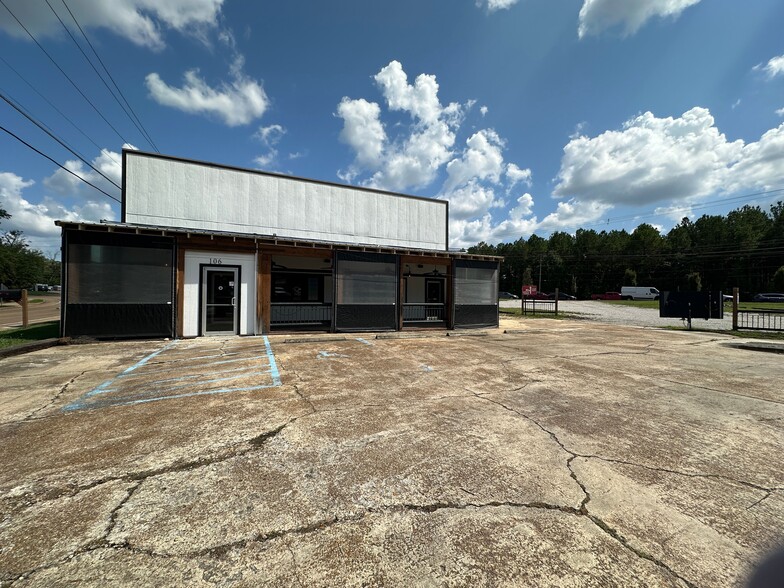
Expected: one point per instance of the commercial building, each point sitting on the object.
(205, 249)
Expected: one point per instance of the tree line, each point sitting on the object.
(744, 248)
(20, 265)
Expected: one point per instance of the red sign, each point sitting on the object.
(529, 290)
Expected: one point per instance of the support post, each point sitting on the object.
(556, 302)
(25, 317)
(735, 309)
(264, 303)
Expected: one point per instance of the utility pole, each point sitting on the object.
(540, 274)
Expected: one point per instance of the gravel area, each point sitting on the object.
(618, 314)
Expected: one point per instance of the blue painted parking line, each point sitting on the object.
(273, 366)
(186, 395)
(126, 389)
(143, 361)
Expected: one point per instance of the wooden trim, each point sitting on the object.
(180, 293)
(264, 281)
(401, 295)
(450, 297)
(197, 243)
(299, 251)
(424, 259)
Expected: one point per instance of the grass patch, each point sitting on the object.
(759, 306)
(636, 303)
(727, 305)
(518, 312)
(39, 332)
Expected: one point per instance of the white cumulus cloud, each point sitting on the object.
(760, 164)
(599, 15)
(362, 130)
(773, 68)
(475, 177)
(109, 163)
(269, 136)
(140, 21)
(412, 158)
(238, 102)
(37, 220)
(493, 5)
(674, 162)
(650, 160)
(482, 159)
(516, 175)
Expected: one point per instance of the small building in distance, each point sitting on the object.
(205, 249)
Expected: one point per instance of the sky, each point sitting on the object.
(529, 116)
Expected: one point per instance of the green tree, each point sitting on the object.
(693, 282)
(629, 277)
(778, 279)
(527, 279)
(20, 266)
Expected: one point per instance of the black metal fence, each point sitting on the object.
(534, 306)
(423, 313)
(287, 314)
(759, 320)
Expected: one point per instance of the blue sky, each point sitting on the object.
(529, 116)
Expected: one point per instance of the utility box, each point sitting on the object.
(691, 305)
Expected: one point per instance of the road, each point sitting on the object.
(40, 312)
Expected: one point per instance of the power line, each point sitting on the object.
(53, 136)
(41, 153)
(119, 91)
(60, 112)
(100, 77)
(83, 95)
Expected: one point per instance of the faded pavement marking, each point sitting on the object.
(173, 372)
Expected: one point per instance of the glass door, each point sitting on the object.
(219, 315)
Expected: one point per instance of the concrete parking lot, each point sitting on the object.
(557, 453)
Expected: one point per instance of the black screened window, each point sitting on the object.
(298, 287)
(366, 282)
(115, 274)
(476, 285)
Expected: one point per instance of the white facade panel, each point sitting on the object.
(168, 192)
(194, 260)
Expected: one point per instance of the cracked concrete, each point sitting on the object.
(568, 455)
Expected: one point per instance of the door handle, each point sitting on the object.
(233, 301)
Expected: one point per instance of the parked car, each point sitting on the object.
(606, 296)
(539, 296)
(562, 296)
(639, 293)
(507, 296)
(769, 297)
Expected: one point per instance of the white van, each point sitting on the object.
(639, 293)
